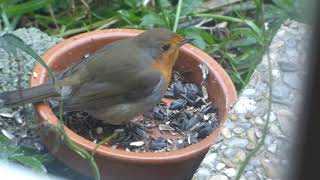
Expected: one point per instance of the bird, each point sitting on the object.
(117, 82)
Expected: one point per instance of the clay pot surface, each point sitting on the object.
(119, 164)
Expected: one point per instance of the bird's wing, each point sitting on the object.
(94, 94)
(116, 73)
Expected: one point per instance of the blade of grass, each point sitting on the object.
(104, 141)
(176, 22)
(99, 25)
(26, 7)
(15, 21)
(249, 23)
(76, 148)
(266, 126)
(53, 17)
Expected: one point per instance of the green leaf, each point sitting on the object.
(26, 7)
(129, 16)
(209, 38)
(133, 3)
(167, 12)
(152, 19)
(6, 149)
(189, 6)
(247, 41)
(30, 161)
(196, 35)
(43, 157)
(3, 139)
(165, 4)
(15, 41)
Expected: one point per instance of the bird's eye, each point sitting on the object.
(166, 47)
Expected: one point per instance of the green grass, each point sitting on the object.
(236, 46)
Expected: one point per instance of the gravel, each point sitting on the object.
(288, 59)
(17, 123)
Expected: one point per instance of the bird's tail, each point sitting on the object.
(30, 95)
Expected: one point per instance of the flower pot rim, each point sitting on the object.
(45, 112)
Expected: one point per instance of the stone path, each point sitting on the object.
(243, 129)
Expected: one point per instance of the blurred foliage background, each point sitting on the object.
(222, 31)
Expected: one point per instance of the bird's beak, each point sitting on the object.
(185, 40)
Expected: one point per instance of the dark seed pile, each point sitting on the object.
(188, 119)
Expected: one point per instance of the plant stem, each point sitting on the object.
(104, 141)
(79, 150)
(176, 22)
(266, 126)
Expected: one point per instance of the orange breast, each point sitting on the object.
(165, 65)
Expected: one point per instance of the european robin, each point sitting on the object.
(117, 82)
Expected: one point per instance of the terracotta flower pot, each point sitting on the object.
(118, 164)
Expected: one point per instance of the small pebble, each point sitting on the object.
(248, 92)
(270, 169)
(273, 117)
(218, 177)
(203, 174)
(229, 153)
(226, 132)
(272, 148)
(208, 161)
(259, 120)
(237, 142)
(233, 117)
(220, 166)
(239, 157)
(258, 132)
(230, 172)
(251, 135)
(238, 130)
